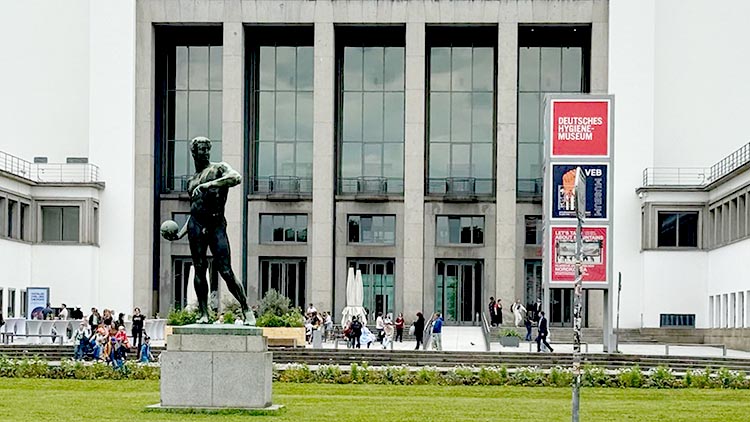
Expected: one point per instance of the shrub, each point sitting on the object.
(492, 376)
(229, 304)
(428, 375)
(398, 375)
(730, 379)
(662, 377)
(183, 316)
(560, 377)
(594, 376)
(297, 373)
(229, 317)
(461, 375)
(528, 377)
(630, 377)
(274, 303)
(509, 332)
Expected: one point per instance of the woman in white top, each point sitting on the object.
(518, 312)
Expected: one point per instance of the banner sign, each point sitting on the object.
(580, 128)
(36, 300)
(563, 248)
(563, 192)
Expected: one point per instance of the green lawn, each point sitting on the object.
(114, 401)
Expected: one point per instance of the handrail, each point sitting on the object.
(49, 173)
(486, 331)
(696, 176)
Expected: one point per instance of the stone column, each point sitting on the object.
(414, 162)
(321, 282)
(505, 281)
(232, 141)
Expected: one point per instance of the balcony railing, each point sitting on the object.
(730, 163)
(282, 185)
(529, 188)
(687, 176)
(461, 187)
(49, 173)
(371, 186)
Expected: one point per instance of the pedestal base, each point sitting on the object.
(273, 409)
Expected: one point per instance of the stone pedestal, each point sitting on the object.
(219, 367)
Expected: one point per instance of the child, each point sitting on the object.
(146, 351)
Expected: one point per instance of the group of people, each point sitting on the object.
(529, 316)
(104, 338)
(315, 321)
(389, 330)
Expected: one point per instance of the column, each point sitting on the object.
(414, 161)
(320, 291)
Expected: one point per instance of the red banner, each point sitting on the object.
(580, 128)
(563, 248)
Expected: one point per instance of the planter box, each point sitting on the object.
(167, 332)
(509, 341)
(285, 336)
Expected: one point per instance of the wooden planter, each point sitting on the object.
(510, 341)
(285, 336)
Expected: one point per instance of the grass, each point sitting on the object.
(115, 401)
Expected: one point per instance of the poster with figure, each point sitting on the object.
(580, 127)
(563, 256)
(36, 300)
(563, 192)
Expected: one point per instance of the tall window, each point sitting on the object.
(290, 228)
(11, 303)
(371, 110)
(60, 224)
(457, 230)
(11, 218)
(286, 276)
(283, 89)
(190, 76)
(461, 110)
(678, 229)
(534, 226)
(372, 229)
(550, 60)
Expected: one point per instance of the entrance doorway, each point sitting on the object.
(561, 307)
(286, 276)
(458, 290)
(182, 288)
(533, 281)
(378, 277)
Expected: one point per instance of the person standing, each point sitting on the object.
(527, 323)
(379, 326)
(137, 330)
(400, 328)
(419, 329)
(543, 333)
(356, 333)
(437, 331)
(499, 311)
(94, 319)
(491, 309)
(518, 312)
(63, 312)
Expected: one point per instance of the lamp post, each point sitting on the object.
(580, 206)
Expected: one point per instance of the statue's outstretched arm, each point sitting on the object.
(183, 230)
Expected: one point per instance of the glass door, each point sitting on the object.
(458, 290)
(378, 278)
(286, 276)
(533, 281)
(561, 307)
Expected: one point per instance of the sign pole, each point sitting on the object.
(580, 206)
(617, 330)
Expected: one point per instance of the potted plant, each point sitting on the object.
(510, 338)
(282, 324)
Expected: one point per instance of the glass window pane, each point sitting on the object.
(278, 228)
(572, 66)
(442, 230)
(181, 159)
(70, 224)
(267, 67)
(377, 229)
(302, 228)
(304, 160)
(198, 74)
(394, 117)
(290, 224)
(460, 160)
(551, 62)
(481, 117)
(393, 160)
(366, 229)
(390, 229)
(51, 222)
(181, 68)
(351, 160)
(394, 68)
(214, 119)
(352, 68)
(304, 116)
(265, 228)
(466, 230)
(285, 159)
(266, 116)
(352, 117)
(483, 69)
(180, 115)
(373, 116)
(216, 155)
(198, 114)
(478, 230)
(440, 155)
(215, 70)
(353, 229)
(454, 230)
(373, 158)
(305, 68)
(461, 117)
(529, 161)
(285, 68)
(266, 158)
(440, 123)
(481, 160)
(284, 115)
(528, 69)
(667, 226)
(373, 68)
(461, 69)
(440, 69)
(529, 113)
(688, 229)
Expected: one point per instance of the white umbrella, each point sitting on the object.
(353, 298)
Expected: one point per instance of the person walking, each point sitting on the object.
(518, 312)
(379, 326)
(527, 323)
(419, 329)
(356, 332)
(400, 328)
(543, 333)
(491, 310)
(437, 331)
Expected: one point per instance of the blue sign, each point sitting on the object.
(36, 300)
(563, 190)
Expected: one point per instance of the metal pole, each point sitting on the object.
(619, 289)
(580, 206)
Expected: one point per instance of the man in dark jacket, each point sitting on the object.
(543, 333)
(356, 331)
(491, 308)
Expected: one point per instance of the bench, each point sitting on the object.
(723, 347)
(282, 342)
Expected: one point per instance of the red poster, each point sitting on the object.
(563, 249)
(580, 128)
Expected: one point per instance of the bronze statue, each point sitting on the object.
(206, 226)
